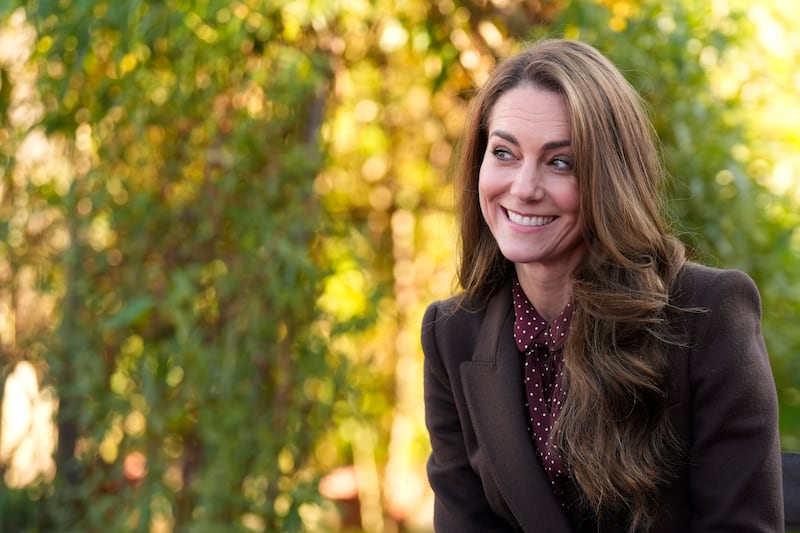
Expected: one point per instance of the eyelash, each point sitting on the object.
(564, 161)
(503, 155)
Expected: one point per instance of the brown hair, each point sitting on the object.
(613, 429)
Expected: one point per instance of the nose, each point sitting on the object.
(527, 184)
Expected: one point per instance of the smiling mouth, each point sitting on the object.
(522, 220)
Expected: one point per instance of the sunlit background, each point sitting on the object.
(220, 224)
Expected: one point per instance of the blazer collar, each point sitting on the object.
(492, 383)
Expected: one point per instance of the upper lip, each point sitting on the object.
(521, 214)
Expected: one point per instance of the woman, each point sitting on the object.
(589, 378)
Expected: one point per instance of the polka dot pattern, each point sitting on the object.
(542, 345)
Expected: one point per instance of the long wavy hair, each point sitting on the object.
(613, 429)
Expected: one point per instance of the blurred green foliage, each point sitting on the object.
(190, 360)
(220, 223)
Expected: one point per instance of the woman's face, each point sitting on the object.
(527, 188)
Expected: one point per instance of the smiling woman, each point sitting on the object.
(589, 378)
(528, 191)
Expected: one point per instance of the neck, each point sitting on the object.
(548, 291)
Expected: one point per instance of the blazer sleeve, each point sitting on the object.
(735, 463)
(460, 503)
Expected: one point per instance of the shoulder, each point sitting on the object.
(453, 328)
(451, 311)
(699, 285)
(451, 322)
(461, 316)
(720, 312)
(449, 334)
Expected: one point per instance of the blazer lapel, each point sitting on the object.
(493, 389)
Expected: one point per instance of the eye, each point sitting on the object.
(502, 154)
(562, 163)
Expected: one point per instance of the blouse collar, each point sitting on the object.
(531, 329)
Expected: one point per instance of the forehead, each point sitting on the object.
(529, 107)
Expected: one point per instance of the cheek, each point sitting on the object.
(488, 183)
(570, 197)
(481, 186)
(487, 191)
(482, 202)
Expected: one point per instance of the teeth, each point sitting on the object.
(516, 218)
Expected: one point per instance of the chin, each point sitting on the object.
(518, 256)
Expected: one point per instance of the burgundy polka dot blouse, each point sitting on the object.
(542, 345)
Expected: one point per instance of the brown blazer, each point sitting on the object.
(483, 467)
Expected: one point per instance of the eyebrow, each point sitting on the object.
(552, 145)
